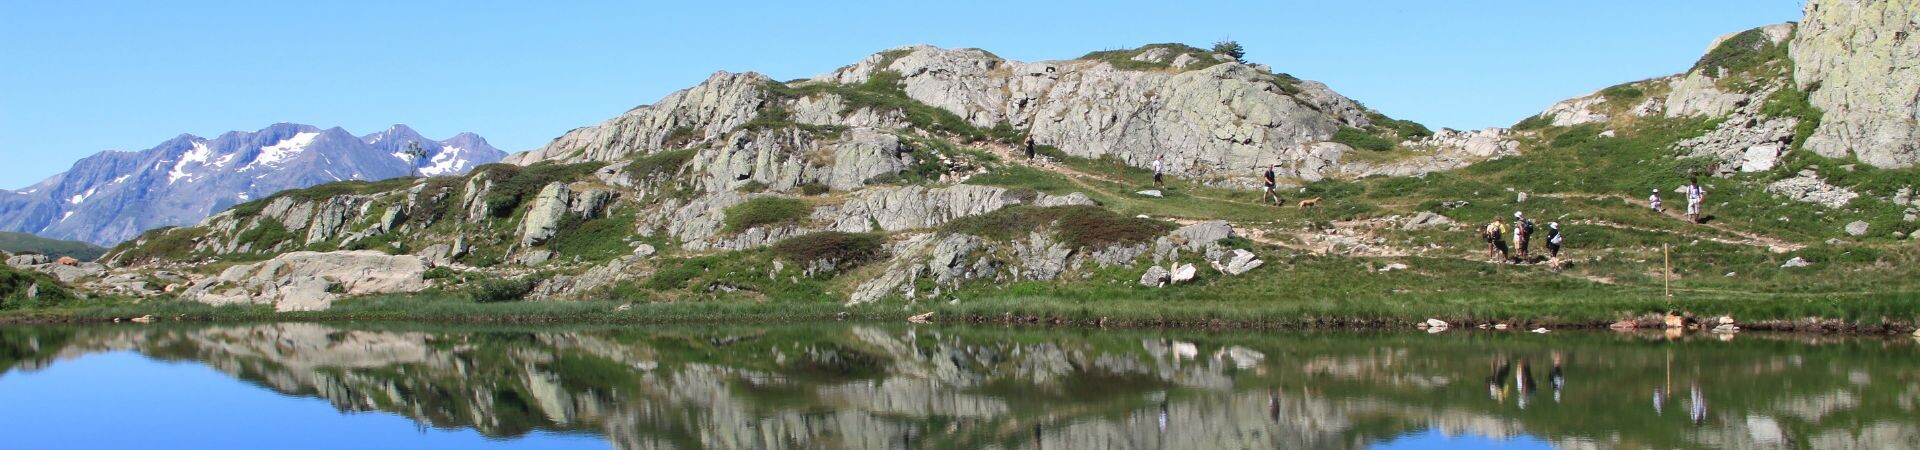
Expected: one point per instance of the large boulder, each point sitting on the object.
(1154, 277)
(29, 260)
(1861, 64)
(311, 281)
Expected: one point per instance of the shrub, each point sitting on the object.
(1623, 92)
(814, 189)
(753, 187)
(598, 239)
(761, 211)
(1232, 49)
(659, 164)
(15, 283)
(265, 235)
(440, 273)
(1361, 139)
(489, 290)
(1095, 227)
(843, 250)
(1407, 129)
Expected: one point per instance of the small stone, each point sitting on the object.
(1857, 228)
(1675, 321)
(1795, 262)
(1731, 274)
(1500, 326)
(1155, 193)
(624, 308)
(1393, 267)
(1520, 198)
(1541, 330)
(1183, 273)
(1155, 277)
(1726, 320)
(1435, 323)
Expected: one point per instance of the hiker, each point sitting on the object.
(1029, 147)
(1553, 240)
(1495, 235)
(1695, 195)
(1271, 185)
(1653, 201)
(1158, 167)
(1522, 234)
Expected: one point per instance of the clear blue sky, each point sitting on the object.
(82, 76)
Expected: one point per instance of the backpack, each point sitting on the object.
(1526, 228)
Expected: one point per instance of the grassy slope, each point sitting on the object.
(21, 242)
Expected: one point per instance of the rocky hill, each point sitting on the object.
(113, 196)
(899, 178)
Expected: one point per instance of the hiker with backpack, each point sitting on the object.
(1553, 240)
(1030, 147)
(1522, 234)
(1271, 185)
(1653, 201)
(1695, 196)
(1495, 234)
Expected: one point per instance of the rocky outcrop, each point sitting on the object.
(552, 206)
(1860, 62)
(1808, 187)
(707, 111)
(310, 281)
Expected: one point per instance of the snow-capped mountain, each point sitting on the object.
(113, 196)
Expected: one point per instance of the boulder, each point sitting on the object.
(23, 261)
(1155, 277)
(1425, 220)
(1239, 262)
(1393, 266)
(1857, 228)
(1434, 323)
(307, 281)
(67, 261)
(1183, 273)
(544, 216)
(69, 274)
(1795, 262)
(1155, 193)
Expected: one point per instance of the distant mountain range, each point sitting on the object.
(113, 196)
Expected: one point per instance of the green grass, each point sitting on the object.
(659, 164)
(14, 284)
(1123, 59)
(596, 240)
(763, 211)
(1085, 227)
(265, 236)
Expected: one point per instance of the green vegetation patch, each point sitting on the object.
(1742, 52)
(15, 283)
(1361, 139)
(1080, 226)
(1123, 59)
(265, 235)
(1407, 130)
(599, 239)
(659, 164)
(761, 211)
(844, 250)
(22, 242)
(514, 186)
(162, 243)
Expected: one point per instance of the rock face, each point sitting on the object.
(1216, 120)
(1860, 62)
(552, 206)
(113, 196)
(310, 281)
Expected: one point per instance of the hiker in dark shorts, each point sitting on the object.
(1029, 147)
(1158, 167)
(1553, 240)
(1271, 185)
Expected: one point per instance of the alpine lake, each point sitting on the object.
(875, 385)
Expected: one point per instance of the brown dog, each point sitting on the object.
(1310, 202)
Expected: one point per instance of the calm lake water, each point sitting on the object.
(296, 385)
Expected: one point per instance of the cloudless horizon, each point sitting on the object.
(81, 77)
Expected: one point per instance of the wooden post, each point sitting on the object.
(1666, 250)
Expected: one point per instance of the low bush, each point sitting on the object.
(761, 211)
(490, 290)
(844, 250)
(659, 164)
(1361, 139)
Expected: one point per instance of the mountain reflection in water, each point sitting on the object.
(886, 386)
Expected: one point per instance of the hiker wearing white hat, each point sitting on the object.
(1653, 201)
(1553, 240)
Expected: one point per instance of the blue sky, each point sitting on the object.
(82, 76)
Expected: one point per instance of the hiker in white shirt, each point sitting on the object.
(1653, 201)
(1695, 195)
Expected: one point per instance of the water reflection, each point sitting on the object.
(871, 386)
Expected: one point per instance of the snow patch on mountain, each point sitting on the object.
(282, 151)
